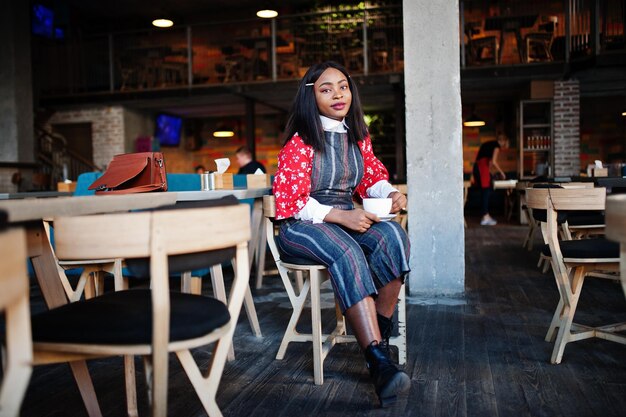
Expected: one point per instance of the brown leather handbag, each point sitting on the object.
(133, 173)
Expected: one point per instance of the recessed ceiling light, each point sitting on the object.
(223, 134)
(267, 13)
(162, 23)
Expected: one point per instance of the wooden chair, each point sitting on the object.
(572, 261)
(616, 229)
(18, 356)
(91, 278)
(151, 322)
(481, 49)
(538, 45)
(403, 216)
(315, 276)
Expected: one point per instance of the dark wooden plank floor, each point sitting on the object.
(481, 355)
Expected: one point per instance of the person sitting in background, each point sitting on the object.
(487, 158)
(246, 164)
(200, 169)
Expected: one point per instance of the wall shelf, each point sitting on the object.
(536, 139)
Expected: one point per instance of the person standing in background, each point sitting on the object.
(486, 161)
(246, 164)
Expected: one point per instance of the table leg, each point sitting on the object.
(47, 274)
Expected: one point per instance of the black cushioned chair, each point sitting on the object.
(572, 261)
(152, 322)
(616, 229)
(18, 356)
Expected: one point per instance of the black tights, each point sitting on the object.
(486, 193)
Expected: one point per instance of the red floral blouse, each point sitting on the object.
(292, 183)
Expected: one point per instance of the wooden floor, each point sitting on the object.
(481, 355)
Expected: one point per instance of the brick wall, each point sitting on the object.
(566, 128)
(107, 129)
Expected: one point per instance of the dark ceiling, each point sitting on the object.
(98, 16)
(112, 15)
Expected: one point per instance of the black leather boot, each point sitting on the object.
(386, 328)
(389, 381)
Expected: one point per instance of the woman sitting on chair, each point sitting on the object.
(327, 157)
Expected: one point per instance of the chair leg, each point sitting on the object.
(20, 353)
(261, 256)
(118, 277)
(251, 312)
(131, 389)
(570, 302)
(546, 264)
(564, 335)
(316, 328)
(219, 291)
(299, 280)
(85, 387)
(291, 334)
(206, 388)
(400, 340)
(248, 303)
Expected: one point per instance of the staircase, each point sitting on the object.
(58, 163)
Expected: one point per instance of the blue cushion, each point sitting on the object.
(240, 180)
(183, 182)
(84, 181)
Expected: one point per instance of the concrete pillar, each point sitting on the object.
(434, 147)
(16, 101)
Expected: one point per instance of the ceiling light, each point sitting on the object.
(267, 13)
(223, 134)
(624, 113)
(162, 23)
(474, 121)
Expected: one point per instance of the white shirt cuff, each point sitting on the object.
(313, 211)
(381, 189)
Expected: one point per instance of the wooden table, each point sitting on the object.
(29, 213)
(509, 199)
(616, 229)
(35, 194)
(510, 24)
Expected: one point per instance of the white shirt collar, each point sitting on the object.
(332, 125)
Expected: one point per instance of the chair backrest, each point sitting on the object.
(566, 198)
(14, 302)
(132, 235)
(269, 212)
(616, 218)
(554, 199)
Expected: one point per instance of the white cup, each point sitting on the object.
(378, 206)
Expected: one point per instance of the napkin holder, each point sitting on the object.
(67, 187)
(600, 172)
(223, 181)
(258, 180)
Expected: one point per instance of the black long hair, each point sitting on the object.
(304, 116)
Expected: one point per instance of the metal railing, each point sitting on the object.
(367, 39)
(518, 33)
